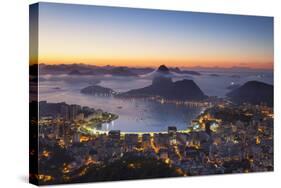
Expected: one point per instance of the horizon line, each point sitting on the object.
(155, 66)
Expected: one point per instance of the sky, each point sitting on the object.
(99, 35)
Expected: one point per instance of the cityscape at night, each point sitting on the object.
(126, 93)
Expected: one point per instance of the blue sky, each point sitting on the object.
(71, 33)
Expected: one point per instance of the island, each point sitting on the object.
(98, 91)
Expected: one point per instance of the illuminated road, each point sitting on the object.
(91, 131)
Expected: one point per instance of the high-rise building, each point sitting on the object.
(172, 132)
(114, 134)
(65, 112)
(73, 111)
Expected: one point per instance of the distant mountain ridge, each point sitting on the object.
(83, 69)
(179, 71)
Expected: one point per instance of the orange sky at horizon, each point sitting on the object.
(168, 62)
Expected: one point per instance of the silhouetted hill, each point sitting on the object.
(253, 92)
(97, 90)
(164, 87)
(163, 69)
(186, 90)
(84, 69)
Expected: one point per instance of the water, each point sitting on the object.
(141, 114)
(134, 114)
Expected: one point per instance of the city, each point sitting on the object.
(217, 143)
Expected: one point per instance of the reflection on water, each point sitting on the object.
(134, 114)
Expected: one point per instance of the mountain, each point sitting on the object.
(163, 86)
(253, 92)
(177, 70)
(186, 90)
(162, 77)
(74, 72)
(161, 81)
(84, 69)
(179, 90)
(163, 69)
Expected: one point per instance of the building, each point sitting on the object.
(146, 140)
(161, 140)
(73, 111)
(65, 112)
(163, 154)
(131, 140)
(79, 117)
(172, 132)
(114, 135)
